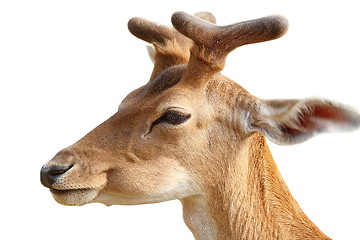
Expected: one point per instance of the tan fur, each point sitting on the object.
(256, 200)
(217, 162)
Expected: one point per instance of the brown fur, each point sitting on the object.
(257, 201)
(216, 162)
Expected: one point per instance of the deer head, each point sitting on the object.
(189, 129)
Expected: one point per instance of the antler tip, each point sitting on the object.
(207, 16)
(177, 17)
(280, 25)
(149, 31)
(133, 22)
(134, 26)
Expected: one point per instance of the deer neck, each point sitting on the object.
(250, 201)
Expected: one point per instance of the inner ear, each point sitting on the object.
(294, 121)
(151, 51)
(317, 118)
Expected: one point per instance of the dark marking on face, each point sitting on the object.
(165, 80)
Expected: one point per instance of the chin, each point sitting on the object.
(74, 197)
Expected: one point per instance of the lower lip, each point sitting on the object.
(56, 191)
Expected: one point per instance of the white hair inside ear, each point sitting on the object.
(293, 121)
(151, 51)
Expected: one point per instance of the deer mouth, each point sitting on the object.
(66, 191)
(74, 197)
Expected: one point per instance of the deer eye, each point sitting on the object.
(172, 117)
(175, 118)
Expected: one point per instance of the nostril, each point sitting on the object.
(48, 175)
(59, 170)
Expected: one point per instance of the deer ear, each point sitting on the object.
(151, 51)
(288, 122)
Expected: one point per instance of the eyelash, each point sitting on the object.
(172, 117)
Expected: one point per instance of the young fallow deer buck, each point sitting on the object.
(195, 135)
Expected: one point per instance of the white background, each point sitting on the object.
(66, 65)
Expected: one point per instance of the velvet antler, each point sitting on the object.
(171, 47)
(213, 43)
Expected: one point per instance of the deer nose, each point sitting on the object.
(48, 175)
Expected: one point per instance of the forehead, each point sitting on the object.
(166, 86)
(163, 90)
